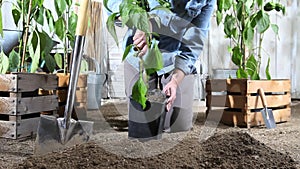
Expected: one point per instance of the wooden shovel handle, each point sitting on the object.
(263, 97)
(82, 18)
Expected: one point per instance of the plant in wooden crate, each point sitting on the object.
(135, 15)
(242, 20)
(32, 53)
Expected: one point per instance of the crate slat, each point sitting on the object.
(8, 82)
(248, 102)
(19, 128)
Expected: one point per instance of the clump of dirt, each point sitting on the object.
(224, 150)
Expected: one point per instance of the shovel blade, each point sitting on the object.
(268, 118)
(51, 136)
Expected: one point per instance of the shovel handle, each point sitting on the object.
(82, 18)
(263, 97)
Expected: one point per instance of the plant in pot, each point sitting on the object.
(146, 116)
(243, 20)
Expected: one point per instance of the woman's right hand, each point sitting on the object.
(140, 41)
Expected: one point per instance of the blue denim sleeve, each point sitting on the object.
(193, 38)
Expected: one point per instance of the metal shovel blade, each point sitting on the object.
(268, 118)
(266, 113)
(52, 136)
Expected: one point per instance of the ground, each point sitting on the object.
(205, 146)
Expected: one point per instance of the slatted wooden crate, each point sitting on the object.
(21, 102)
(62, 92)
(236, 101)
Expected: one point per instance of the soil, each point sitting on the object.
(207, 145)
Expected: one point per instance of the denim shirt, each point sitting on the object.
(182, 32)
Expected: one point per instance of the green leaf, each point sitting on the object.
(84, 66)
(4, 63)
(268, 70)
(138, 18)
(220, 5)
(72, 23)
(60, 7)
(16, 15)
(275, 28)
(60, 28)
(105, 2)
(50, 20)
(229, 25)
(259, 2)
(237, 56)
(39, 16)
(241, 73)
(14, 60)
(153, 61)
(50, 62)
(110, 24)
(46, 43)
(219, 17)
(263, 22)
(252, 67)
(248, 35)
(59, 60)
(227, 4)
(139, 92)
(34, 54)
(127, 50)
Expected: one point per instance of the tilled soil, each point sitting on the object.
(226, 150)
(203, 147)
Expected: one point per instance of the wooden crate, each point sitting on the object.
(21, 102)
(62, 92)
(236, 101)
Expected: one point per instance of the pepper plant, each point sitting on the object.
(135, 15)
(242, 19)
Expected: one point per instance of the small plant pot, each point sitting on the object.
(146, 124)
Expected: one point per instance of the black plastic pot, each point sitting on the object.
(146, 124)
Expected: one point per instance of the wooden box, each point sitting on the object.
(21, 102)
(237, 102)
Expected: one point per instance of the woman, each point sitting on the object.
(182, 35)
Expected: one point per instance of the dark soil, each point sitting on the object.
(226, 150)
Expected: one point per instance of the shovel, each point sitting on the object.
(56, 133)
(266, 113)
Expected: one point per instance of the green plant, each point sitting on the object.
(135, 15)
(242, 19)
(35, 43)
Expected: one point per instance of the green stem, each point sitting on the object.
(259, 51)
(25, 37)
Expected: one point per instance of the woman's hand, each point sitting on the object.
(140, 41)
(171, 87)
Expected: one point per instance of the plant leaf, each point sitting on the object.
(275, 28)
(153, 61)
(139, 92)
(60, 7)
(59, 60)
(39, 16)
(105, 2)
(59, 28)
(268, 70)
(84, 66)
(110, 24)
(50, 62)
(237, 56)
(248, 35)
(252, 67)
(263, 22)
(34, 54)
(241, 73)
(4, 63)
(127, 50)
(14, 60)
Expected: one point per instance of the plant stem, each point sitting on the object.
(25, 37)
(259, 51)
